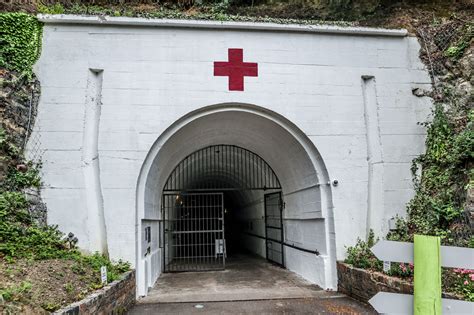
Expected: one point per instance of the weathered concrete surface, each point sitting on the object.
(245, 278)
(326, 305)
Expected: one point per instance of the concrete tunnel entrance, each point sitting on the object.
(220, 201)
(230, 179)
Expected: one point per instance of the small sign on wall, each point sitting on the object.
(220, 245)
(103, 275)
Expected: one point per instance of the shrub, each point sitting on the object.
(360, 255)
(464, 283)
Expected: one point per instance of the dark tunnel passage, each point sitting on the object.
(235, 225)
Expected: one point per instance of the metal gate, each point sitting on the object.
(274, 228)
(193, 232)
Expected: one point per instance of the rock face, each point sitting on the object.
(37, 208)
(19, 98)
(466, 64)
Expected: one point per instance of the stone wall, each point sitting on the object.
(115, 298)
(363, 284)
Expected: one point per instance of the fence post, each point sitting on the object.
(427, 275)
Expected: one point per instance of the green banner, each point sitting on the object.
(427, 275)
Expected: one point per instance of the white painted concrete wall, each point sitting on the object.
(153, 76)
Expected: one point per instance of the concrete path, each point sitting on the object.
(245, 278)
(342, 305)
(249, 285)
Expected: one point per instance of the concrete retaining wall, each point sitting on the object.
(115, 298)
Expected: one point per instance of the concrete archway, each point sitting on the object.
(308, 217)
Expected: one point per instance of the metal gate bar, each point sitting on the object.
(193, 232)
(220, 167)
(274, 228)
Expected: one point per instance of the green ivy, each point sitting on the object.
(20, 41)
(441, 188)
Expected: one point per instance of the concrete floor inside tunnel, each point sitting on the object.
(246, 277)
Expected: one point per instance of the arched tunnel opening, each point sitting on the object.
(269, 175)
(221, 203)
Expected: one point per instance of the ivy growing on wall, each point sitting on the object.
(20, 42)
(438, 205)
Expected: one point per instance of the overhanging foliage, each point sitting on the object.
(20, 41)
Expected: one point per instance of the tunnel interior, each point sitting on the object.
(219, 203)
(234, 224)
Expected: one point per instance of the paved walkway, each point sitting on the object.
(342, 305)
(249, 285)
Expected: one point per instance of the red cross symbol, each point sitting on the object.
(235, 69)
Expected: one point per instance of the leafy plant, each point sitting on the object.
(15, 292)
(401, 270)
(360, 255)
(20, 41)
(19, 179)
(464, 283)
(50, 306)
(96, 261)
(6, 145)
(441, 187)
(456, 51)
(55, 8)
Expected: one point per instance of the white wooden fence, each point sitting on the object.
(394, 303)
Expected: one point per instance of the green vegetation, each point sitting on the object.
(456, 51)
(15, 292)
(20, 42)
(437, 206)
(36, 260)
(55, 8)
(440, 195)
(444, 173)
(22, 238)
(360, 255)
(219, 11)
(442, 186)
(458, 281)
